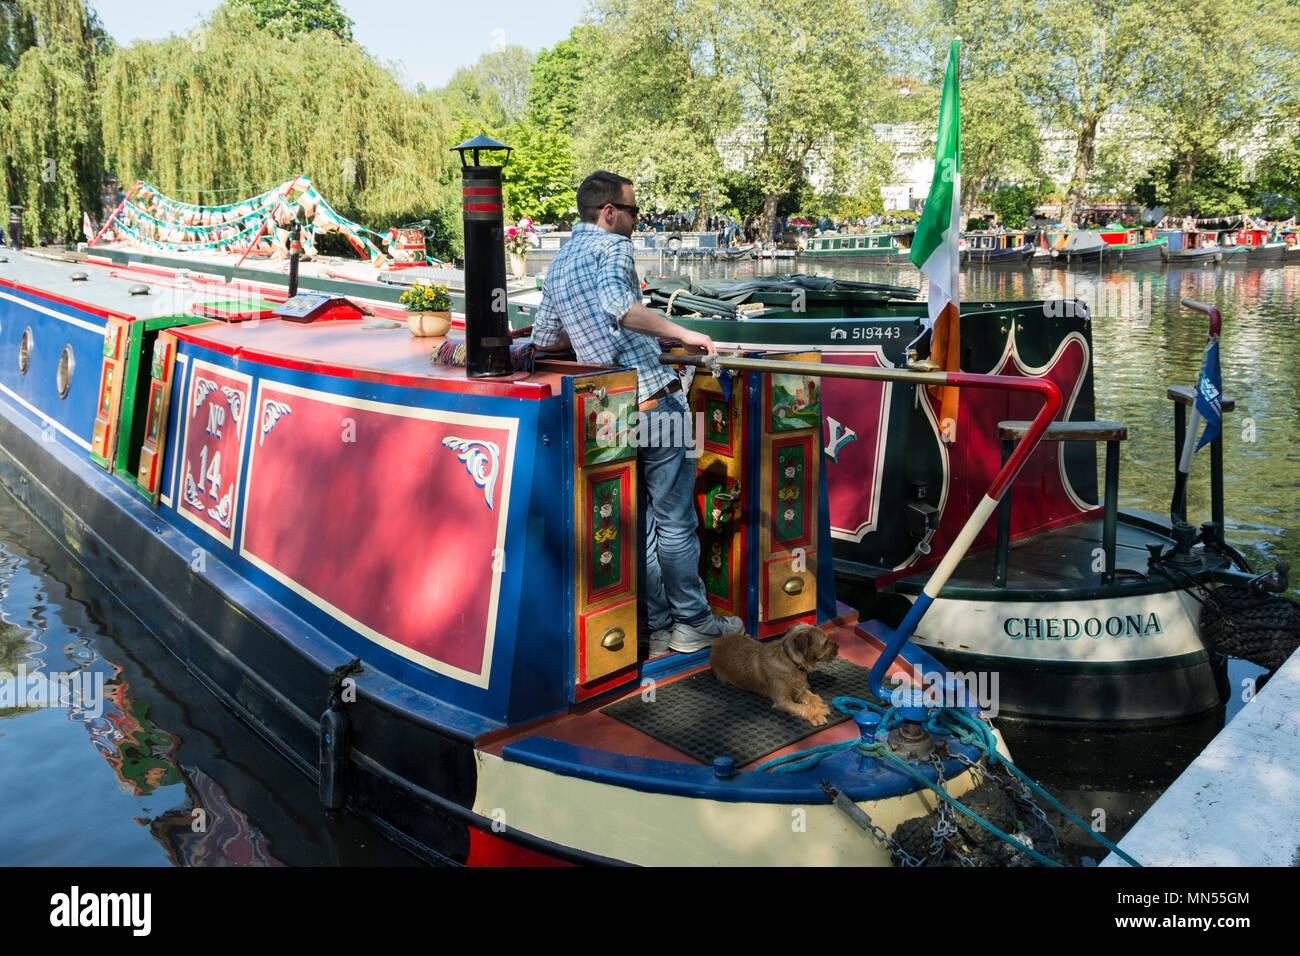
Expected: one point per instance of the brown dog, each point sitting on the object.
(778, 670)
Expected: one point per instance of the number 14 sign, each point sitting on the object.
(215, 413)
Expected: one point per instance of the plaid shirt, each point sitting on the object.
(590, 285)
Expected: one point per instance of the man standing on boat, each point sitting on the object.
(592, 301)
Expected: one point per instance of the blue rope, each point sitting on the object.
(944, 721)
(882, 750)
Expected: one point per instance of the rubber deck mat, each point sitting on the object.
(704, 718)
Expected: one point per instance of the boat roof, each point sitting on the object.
(378, 347)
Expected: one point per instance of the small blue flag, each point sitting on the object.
(1209, 396)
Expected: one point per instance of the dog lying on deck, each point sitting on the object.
(777, 670)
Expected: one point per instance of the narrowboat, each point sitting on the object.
(1084, 611)
(1182, 246)
(997, 248)
(1133, 245)
(1079, 247)
(885, 248)
(420, 583)
(1259, 246)
(1235, 252)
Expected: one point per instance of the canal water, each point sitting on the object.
(162, 774)
(138, 765)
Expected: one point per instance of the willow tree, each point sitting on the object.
(232, 109)
(50, 159)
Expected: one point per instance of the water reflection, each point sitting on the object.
(111, 753)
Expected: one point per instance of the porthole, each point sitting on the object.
(25, 350)
(67, 363)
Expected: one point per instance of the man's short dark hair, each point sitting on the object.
(597, 190)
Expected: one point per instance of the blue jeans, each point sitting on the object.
(670, 578)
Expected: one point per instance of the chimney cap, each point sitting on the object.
(480, 143)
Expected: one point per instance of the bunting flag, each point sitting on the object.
(148, 217)
(934, 248)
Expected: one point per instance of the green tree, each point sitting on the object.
(1082, 61)
(1277, 180)
(1226, 71)
(1001, 131)
(285, 17)
(1014, 204)
(651, 105)
(50, 140)
(805, 75)
(1218, 189)
(557, 78)
(538, 181)
(680, 86)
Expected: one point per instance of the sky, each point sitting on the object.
(430, 40)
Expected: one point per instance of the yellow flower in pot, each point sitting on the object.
(428, 309)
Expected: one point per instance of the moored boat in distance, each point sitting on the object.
(886, 247)
(1133, 245)
(1182, 246)
(646, 246)
(1078, 247)
(997, 248)
(1235, 252)
(1260, 246)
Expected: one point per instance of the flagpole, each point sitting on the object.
(1178, 507)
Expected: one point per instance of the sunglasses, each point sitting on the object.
(633, 209)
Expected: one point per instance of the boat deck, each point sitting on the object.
(1059, 559)
(372, 349)
(591, 726)
(377, 348)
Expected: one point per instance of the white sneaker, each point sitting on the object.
(659, 641)
(686, 639)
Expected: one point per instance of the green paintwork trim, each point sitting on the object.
(101, 462)
(126, 408)
(133, 363)
(969, 661)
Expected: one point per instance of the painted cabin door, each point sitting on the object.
(604, 527)
(153, 446)
(789, 481)
(104, 437)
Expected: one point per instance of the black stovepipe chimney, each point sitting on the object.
(487, 324)
(16, 227)
(295, 250)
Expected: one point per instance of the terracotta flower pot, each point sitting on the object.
(428, 323)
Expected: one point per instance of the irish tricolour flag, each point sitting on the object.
(934, 248)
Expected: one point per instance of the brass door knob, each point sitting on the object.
(612, 640)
